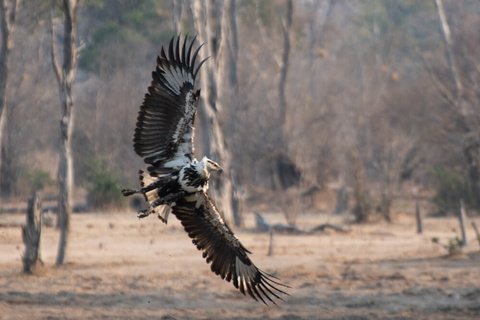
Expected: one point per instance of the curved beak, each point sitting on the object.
(220, 170)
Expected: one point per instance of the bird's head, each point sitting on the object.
(211, 165)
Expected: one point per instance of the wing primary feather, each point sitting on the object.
(198, 67)
(267, 284)
(184, 63)
(162, 54)
(266, 295)
(195, 54)
(269, 277)
(190, 67)
(254, 288)
(171, 55)
(249, 290)
(177, 52)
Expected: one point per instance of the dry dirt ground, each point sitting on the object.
(120, 267)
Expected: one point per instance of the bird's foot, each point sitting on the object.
(168, 199)
(129, 192)
(145, 213)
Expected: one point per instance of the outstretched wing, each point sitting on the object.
(164, 131)
(221, 248)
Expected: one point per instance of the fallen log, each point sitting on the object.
(335, 227)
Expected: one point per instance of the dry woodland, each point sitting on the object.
(342, 123)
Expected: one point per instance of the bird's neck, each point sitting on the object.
(201, 169)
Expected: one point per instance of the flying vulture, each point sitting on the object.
(175, 181)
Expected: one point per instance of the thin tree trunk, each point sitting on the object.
(7, 22)
(474, 225)
(362, 208)
(471, 145)
(31, 234)
(316, 31)
(447, 39)
(177, 15)
(461, 218)
(287, 180)
(418, 216)
(282, 102)
(65, 76)
(270, 245)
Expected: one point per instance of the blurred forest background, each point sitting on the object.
(362, 100)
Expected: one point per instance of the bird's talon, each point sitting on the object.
(128, 192)
(145, 213)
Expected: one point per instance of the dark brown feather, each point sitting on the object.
(228, 257)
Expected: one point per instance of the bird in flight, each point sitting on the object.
(176, 182)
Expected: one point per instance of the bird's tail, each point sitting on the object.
(151, 196)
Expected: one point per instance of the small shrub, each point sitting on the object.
(103, 188)
(454, 246)
(38, 179)
(451, 188)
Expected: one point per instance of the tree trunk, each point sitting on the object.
(228, 92)
(316, 31)
(206, 22)
(385, 204)
(177, 15)
(462, 220)
(362, 208)
(31, 234)
(446, 35)
(342, 200)
(471, 152)
(477, 233)
(418, 216)
(7, 22)
(65, 75)
(471, 145)
(282, 102)
(288, 175)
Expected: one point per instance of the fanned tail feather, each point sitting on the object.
(151, 196)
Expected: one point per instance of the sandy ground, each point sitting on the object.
(120, 267)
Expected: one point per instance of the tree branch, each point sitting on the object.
(55, 63)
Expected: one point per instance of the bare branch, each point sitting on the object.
(55, 63)
(440, 87)
(447, 39)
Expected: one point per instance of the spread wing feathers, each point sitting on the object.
(221, 248)
(164, 132)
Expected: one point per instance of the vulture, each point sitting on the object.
(176, 182)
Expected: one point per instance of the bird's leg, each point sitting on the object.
(145, 213)
(157, 183)
(167, 199)
(172, 197)
(129, 192)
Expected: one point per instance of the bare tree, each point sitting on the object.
(288, 175)
(8, 10)
(177, 6)
(65, 76)
(286, 23)
(447, 39)
(466, 120)
(207, 17)
(228, 92)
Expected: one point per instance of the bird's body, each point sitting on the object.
(175, 181)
